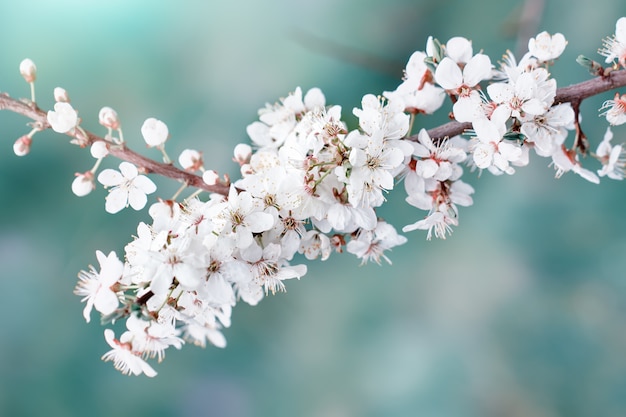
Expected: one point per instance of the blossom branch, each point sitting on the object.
(121, 151)
(574, 93)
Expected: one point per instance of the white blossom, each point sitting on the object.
(125, 359)
(613, 158)
(96, 287)
(63, 118)
(615, 110)
(128, 188)
(546, 47)
(615, 46)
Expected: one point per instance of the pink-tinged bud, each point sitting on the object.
(210, 177)
(21, 146)
(28, 70)
(60, 95)
(154, 132)
(99, 149)
(246, 169)
(242, 153)
(190, 160)
(83, 184)
(108, 118)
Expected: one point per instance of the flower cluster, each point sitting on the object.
(311, 186)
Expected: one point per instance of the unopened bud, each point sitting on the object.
(154, 132)
(21, 146)
(99, 149)
(83, 184)
(108, 118)
(60, 95)
(246, 169)
(242, 153)
(592, 66)
(210, 177)
(190, 160)
(28, 70)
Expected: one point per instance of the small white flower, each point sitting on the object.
(546, 47)
(96, 286)
(566, 160)
(372, 244)
(463, 83)
(615, 110)
(459, 49)
(63, 118)
(128, 188)
(124, 358)
(613, 158)
(154, 132)
(615, 46)
(490, 151)
(438, 221)
(519, 98)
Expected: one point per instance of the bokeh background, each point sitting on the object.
(519, 313)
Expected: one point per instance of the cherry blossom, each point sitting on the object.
(124, 358)
(418, 91)
(615, 46)
(615, 110)
(370, 245)
(613, 158)
(463, 83)
(96, 287)
(312, 183)
(490, 151)
(546, 47)
(128, 188)
(63, 118)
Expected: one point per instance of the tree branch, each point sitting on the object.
(571, 94)
(147, 165)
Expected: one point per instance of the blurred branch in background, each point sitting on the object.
(357, 57)
(530, 17)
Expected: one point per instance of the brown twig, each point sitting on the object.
(147, 165)
(572, 93)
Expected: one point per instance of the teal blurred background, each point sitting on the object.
(519, 313)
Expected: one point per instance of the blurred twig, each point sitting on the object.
(528, 25)
(346, 53)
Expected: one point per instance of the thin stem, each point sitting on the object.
(32, 92)
(180, 190)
